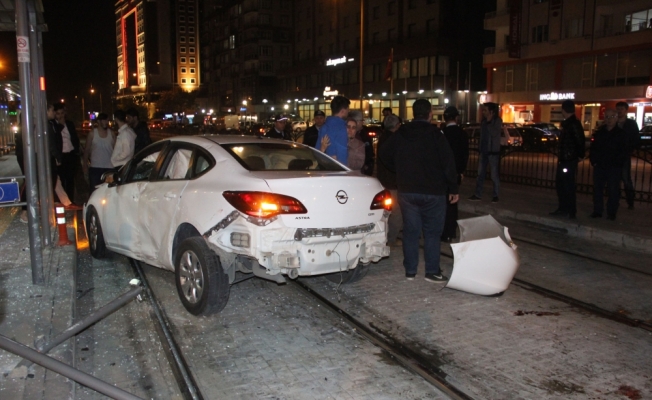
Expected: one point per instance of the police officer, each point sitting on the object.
(278, 130)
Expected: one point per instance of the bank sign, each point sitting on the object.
(554, 96)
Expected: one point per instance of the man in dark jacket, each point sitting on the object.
(490, 129)
(311, 134)
(388, 179)
(459, 141)
(140, 129)
(608, 152)
(570, 150)
(425, 177)
(633, 136)
(66, 144)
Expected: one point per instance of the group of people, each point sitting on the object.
(103, 151)
(610, 155)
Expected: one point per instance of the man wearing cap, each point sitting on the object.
(333, 132)
(570, 150)
(278, 130)
(426, 181)
(311, 134)
(459, 141)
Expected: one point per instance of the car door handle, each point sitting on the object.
(170, 195)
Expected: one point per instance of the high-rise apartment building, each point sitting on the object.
(157, 46)
(596, 52)
(269, 56)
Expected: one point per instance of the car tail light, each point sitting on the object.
(264, 205)
(382, 200)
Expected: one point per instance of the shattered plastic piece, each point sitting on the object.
(485, 259)
(134, 282)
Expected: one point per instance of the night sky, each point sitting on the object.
(78, 50)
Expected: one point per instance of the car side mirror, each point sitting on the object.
(111, 177)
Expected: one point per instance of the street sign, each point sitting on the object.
(9, 192)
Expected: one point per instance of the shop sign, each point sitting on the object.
(648, 92)
(335, 61)
(514, 38)
(554, 96)
(328, 92)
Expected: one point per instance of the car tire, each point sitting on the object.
(351, 276)
(202, 284)
(95, 235)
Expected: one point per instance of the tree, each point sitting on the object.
(136, 102)
(177, 101)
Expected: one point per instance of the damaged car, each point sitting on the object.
(207, 207)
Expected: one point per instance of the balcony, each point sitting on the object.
(496, 19)
(608, 40)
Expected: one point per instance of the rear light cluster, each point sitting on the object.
(382, 200)
(264, 205)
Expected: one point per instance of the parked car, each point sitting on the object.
(299, 126)
(155, 124)
(535, 139)
(645, 139)
(546, 126)
(508, 137)
(207, 207)
(86, 126)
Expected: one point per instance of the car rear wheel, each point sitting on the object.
(95, 234)
(202, 284)
(351, 276)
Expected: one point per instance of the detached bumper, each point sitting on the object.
(485, 259)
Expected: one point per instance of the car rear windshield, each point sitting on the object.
(281, 157)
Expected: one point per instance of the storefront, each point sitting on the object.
(524, 107)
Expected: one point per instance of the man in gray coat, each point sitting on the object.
(490, 129)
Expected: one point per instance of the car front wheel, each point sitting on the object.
(95, 234)
(351, 276)
(202, 284)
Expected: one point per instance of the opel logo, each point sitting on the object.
(342, 197)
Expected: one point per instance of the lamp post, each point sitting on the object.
(361, 50)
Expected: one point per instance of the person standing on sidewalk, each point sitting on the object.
(279, 131)
(333, 132)
(633, 136)
(388, 179)
(426, 177)
(459, 141)
(570, 151)
(125, 142)
(311, 134)
(140, 129)
(490, 130)
(67, 144)
(362, 134)
(608, 151)
(98, 151)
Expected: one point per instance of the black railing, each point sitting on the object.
(537, 167)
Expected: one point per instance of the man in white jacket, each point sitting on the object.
(125, 142)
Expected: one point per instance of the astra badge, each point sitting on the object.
(341, 197)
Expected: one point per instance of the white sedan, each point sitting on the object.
(207, 207)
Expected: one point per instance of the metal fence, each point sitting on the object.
(537, 167)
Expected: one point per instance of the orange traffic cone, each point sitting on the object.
(61, 224)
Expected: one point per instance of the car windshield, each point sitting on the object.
(280, 157)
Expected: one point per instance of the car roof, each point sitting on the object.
(224, 139)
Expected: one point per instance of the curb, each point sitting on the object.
(628, 241)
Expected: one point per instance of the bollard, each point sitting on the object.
(61, 224)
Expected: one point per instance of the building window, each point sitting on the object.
(182, 18)
(374, 38)
(191, 39)
(265, 50)
(192, 70)
(182, 39)
(540, 34)
(182, 8)
(191, 50)
(191, 9)
(345, 22)
(182, 60)
(391, 8)
(431, 26)
(320, 29)
(574, 28)
(192, 60)
(183, 80)
(412, 29)
(182, 50)
(638, 21)
(412, 4)
(183, 70)
(191, 20)
(191, 29)
(192, 80)
(182, 29)
(391, 34)
(376, 12)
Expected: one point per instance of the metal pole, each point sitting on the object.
(63, 369)
(48, 165)
(43, 158)
(361, 51)
(27, 119)
(468, 98)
